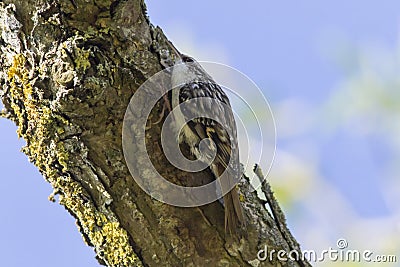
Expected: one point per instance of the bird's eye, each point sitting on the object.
(187, 59)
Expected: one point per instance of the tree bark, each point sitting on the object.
(68, 71)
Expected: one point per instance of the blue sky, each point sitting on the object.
(300, 53)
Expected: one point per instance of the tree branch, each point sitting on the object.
(68, 70)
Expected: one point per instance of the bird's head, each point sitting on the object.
(187, 70)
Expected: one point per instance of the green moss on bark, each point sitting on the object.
(41, 127)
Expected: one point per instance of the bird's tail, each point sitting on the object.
(234, 219)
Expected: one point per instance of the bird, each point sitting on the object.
(190, 82)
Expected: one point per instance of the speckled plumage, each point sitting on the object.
(192, 83)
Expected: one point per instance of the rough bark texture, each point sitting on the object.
(68, 70)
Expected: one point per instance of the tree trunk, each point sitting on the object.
(68, 71)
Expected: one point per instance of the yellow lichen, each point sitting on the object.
(39, 125)
(20, 89)
(62, 156)
(117, 247)
(82, 59)
(106, 235)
